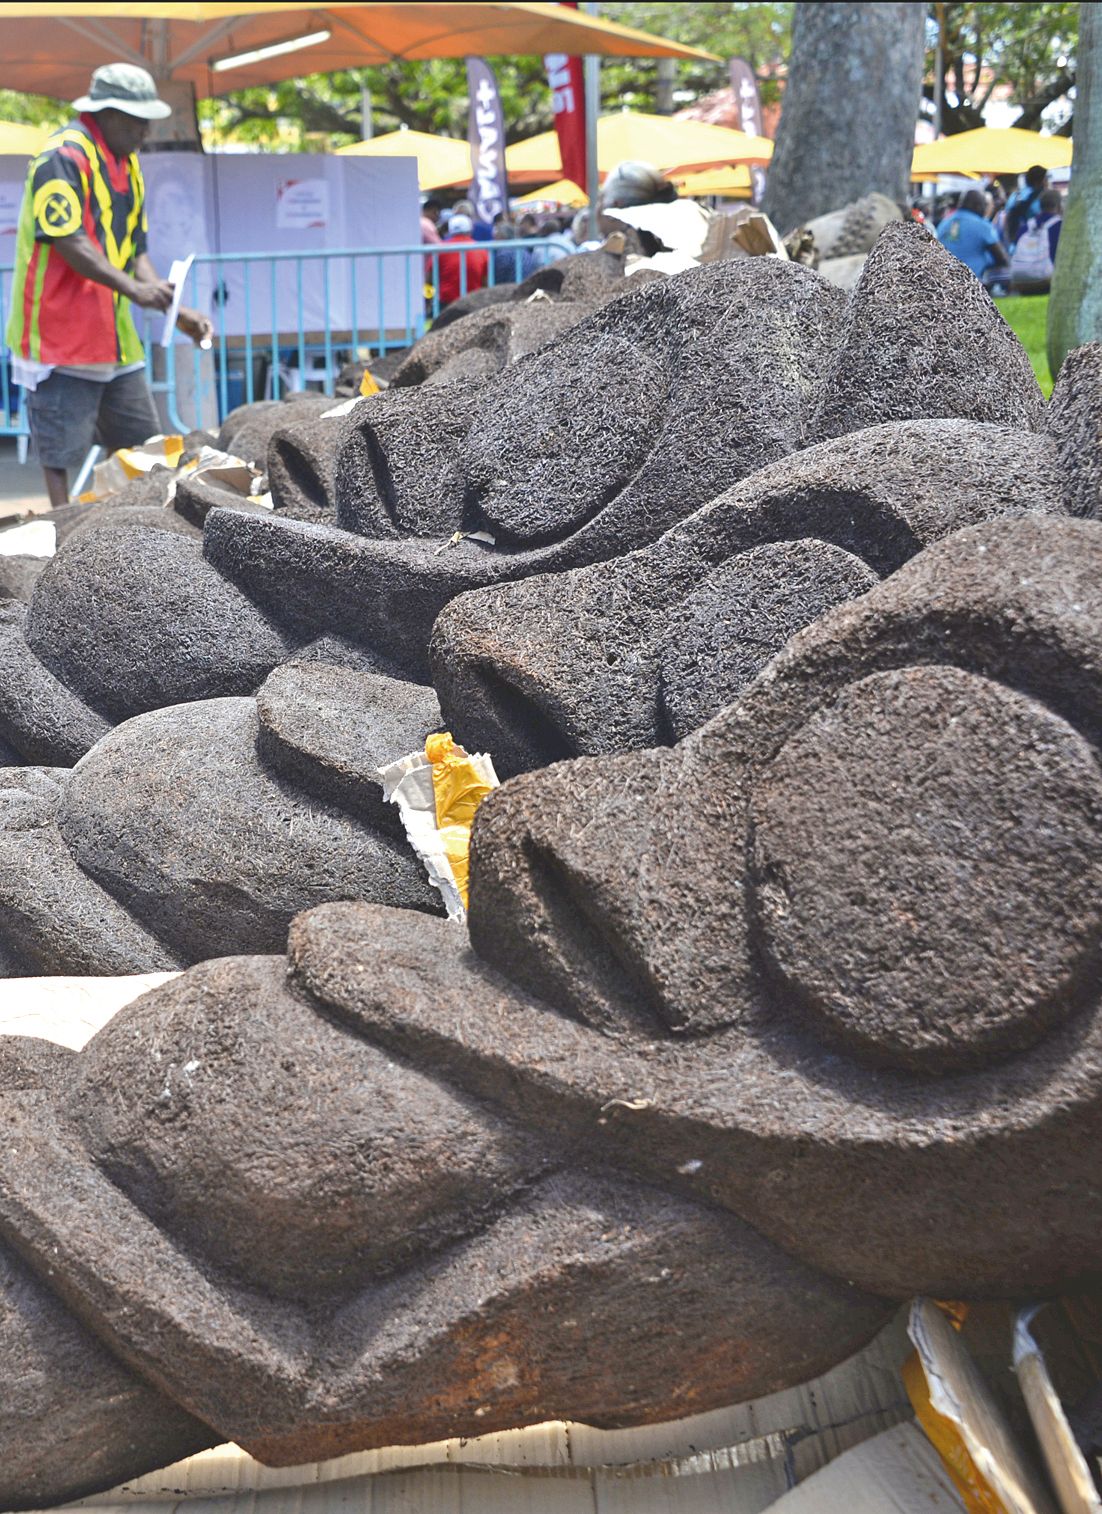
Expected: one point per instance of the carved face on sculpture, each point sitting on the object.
(737, 1060)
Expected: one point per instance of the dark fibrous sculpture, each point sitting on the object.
(383, 516)
(203, 828)
(751, 1037)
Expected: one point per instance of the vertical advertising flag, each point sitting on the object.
(486, 132)
(745, 85)
(564, 75)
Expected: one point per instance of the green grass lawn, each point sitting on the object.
(1028, 315)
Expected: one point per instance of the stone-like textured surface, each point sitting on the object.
(53, 917)
(545, 1284)
(329, 729)
(177, 818)
(40, 717)
(142, 499)
(204, 828)
(300, 461)
(73, 1420)
(588, 448)
(134, 619)
(154, 516)
(924, 339)
(673, 391)
(617, 655)
(595, 276)
(197, 494)
(497, 336)
(247, 431)
(685, 397)
(723, 633)
(19, 574)
(1074, 422)
(399, 472)
(749, 1038)
(921, 985)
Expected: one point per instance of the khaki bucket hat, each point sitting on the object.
(124, 86)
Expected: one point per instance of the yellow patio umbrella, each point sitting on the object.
(562, 192)
(729, 183)
(671, 145)
(440, 160)
(50, 46)
(19, 141)
(991, 150)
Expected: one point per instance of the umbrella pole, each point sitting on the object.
(591, 65)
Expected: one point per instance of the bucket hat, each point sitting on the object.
(124, 86)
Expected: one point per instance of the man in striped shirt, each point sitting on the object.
(81, 261)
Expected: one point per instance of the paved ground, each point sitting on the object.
(22, 491)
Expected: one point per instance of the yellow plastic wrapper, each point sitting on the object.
(109, 476)
(458, 789)
(956, 1406)
(976, 1493)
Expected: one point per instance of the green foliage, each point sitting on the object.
(1018, 45)
(987, 45)
(1027, 315)
(758, 33)
(34, 110)
(433, 96)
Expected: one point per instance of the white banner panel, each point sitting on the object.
(264, 203)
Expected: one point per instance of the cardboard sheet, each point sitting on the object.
(1067, 1467)
(896, 1472)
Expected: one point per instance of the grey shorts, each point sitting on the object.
(68, 415)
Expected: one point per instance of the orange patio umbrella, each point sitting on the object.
(50, 47)
(674, 147)
(561, 192)
(440, 160)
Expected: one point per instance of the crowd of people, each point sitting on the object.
(1008, 242)
(445, 276)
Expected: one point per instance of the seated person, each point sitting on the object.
(970, 236)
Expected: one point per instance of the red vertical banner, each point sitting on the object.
(564, 75)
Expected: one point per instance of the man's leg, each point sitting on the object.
(61, 414)
(127, 414)
(57, 486)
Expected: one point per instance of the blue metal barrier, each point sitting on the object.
(404, 280)
(12, 417)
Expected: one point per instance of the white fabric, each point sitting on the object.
(29, 374)
(1032, 256)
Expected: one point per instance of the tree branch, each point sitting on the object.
(1033, 108)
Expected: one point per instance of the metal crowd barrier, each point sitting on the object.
(262, 354)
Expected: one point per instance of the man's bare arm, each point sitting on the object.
(190, 322)
(85, 258)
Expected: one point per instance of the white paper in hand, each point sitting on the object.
(177, 276)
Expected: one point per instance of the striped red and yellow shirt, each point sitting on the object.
(76, 184)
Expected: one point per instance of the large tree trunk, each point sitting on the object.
(1075, 306)
(850, 107)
